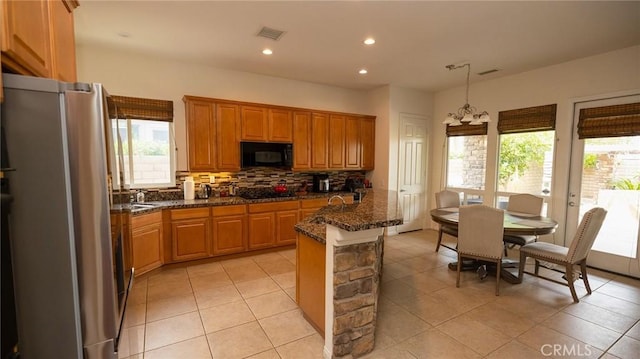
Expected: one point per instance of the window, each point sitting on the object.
(525, 159)
(145, 128)
(466, 156)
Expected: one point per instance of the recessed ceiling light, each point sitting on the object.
(124, 34)
(363, 71)
(267, 51)
(369, 41)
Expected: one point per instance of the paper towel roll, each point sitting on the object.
(189, 189)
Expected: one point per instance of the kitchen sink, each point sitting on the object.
(142, 206)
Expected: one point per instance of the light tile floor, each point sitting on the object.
(245, 308)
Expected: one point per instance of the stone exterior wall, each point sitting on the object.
(474, 161)
(356, 276)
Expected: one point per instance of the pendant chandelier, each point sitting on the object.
(466, 113)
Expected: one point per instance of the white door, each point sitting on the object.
(412, 170)
(605, 172)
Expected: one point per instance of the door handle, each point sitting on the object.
(572, 204)
(403, 190)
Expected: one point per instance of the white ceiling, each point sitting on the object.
(323, 39)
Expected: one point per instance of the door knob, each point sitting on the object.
(572, 204)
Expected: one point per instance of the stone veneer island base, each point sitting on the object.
(339, 262)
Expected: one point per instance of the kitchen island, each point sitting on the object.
(339, 262)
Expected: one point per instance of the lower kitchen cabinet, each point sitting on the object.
(285, 231)
(229, 229)
(271, 224)
(310, 206)
(146, 242)
(190, 233)
(310, 280)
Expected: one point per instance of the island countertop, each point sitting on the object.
(378, 208)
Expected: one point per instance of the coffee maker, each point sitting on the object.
(321, 183)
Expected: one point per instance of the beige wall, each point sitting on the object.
(133, 74)
(564, 84)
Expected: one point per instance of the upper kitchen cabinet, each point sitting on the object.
(38, 38)
(262, 124)
(212, 134)
(336, 141)
(227, 137)
(254, 123)
(280, 126)
(352, 148)
(367, 143)
(301, 140)
(319, 140)
(63, 44)
(201, 134)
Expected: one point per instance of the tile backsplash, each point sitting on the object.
(255, 178)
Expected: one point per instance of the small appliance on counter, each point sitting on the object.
(351, 184)
(321, 183)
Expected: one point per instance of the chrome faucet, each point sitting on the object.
(337, 196)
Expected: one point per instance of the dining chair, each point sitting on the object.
(576, 254)
(527, 204)
(480, 231)
(447, 199)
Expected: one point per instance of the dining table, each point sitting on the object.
(515, 223)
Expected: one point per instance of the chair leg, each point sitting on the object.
(459, 268)
(583, 270)
(536, 268)
(439, 240)
(569, 274)
(523, 261)
(498, 272)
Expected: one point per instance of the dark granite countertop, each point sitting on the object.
(378, 209)
(150, 207)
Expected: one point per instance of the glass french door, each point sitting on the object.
(605, 172)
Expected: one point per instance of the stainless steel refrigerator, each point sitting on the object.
(70, 278)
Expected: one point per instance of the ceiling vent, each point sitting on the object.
(270, 33)
(487, 72)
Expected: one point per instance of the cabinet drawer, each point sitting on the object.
(229, 210)
(273, 206)
(145, 219)
(189, 213)
(313, 203)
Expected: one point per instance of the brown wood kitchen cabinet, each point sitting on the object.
(212, 134)
(264, 124)
(301, 140)
(310, 206)
(336, 141)
(227, 137)
(310, 280)
(146, 242)
(280, 125)
(271, 224)
(254, 123)
(229, 229)
(319, 140)
(367, 143)
(190, 233)
(201, 134)
(352, 148)
(38, 38)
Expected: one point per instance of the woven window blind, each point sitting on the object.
(467, 130)
(610, 121)
(531, 119)
(141, 108)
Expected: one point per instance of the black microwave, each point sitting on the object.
(263, 154)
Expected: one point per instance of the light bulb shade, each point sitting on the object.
(476, 121)
(468, 117)
(484, 117)
(455, 122)
(449, 119)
